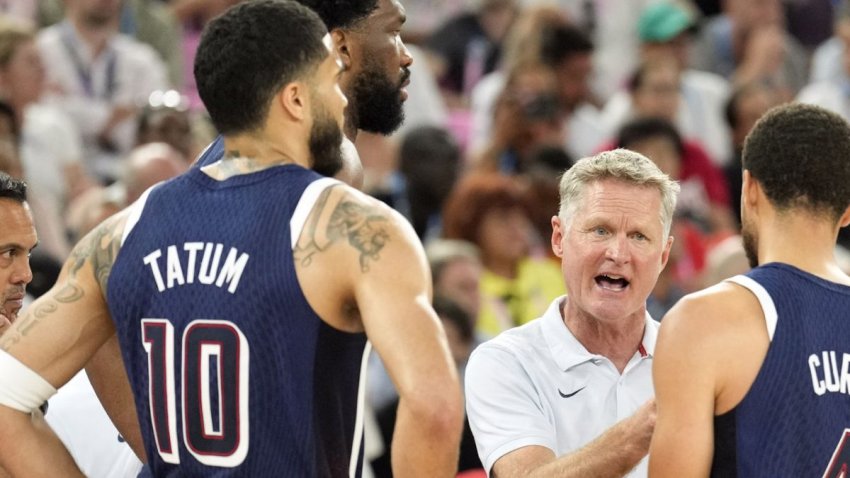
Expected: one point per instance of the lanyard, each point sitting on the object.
(84, 73)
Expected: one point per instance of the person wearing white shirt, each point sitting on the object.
(100, 78)
(570, 394)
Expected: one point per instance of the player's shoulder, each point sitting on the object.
(711, 314)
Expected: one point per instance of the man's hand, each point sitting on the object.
(638, 428)
(5, 322)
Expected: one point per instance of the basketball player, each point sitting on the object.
(367, 37)
(240, 292)
(752, 374)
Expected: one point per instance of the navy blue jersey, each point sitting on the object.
(213, 152)
(794, 420)
(233, 372)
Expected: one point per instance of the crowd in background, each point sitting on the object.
(504, 96)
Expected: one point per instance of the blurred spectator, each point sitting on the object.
(489, 211)
(568, 52)
(456, 272)
(541, 180)
(665, 32)
(148, 21)
(429, 167)
(527, 117)
(726, 259)
(100, 78)
(748, 42)
(50, 149)
(657, 139)
(146, 166)
(828, 58)
(746, 105)
(468, 47)
(165, 119)
(833, 93)
(810, 21)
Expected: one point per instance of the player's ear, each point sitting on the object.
(845, 218)
(293, 99)
(341, 43)
(749, 189)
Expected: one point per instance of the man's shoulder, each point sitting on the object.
(518, 342)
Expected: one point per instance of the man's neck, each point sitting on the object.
(617, 340)
(252, 152)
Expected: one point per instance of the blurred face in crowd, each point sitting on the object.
(749, 108)
(612, 249)
(658, 93)
(96, 13)
(17, 240)
(377, 86)
(676, 48)
(503, 235)
(572, 75)
(23, 76)
(663, 152)
(459, 280)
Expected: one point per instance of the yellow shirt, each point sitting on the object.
(506, 303)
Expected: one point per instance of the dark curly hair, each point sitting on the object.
(800, 154)
(249, 53)
(341, 13)
(473, 198)
(12, 188)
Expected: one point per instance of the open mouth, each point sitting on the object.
(611, 282)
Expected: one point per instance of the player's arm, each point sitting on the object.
(109, 380)
(46, 346)
(394, 298)
(378, 260)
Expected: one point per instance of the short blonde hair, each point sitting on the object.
(621, 164)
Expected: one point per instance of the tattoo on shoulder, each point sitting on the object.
(363, 226)
(100, 248)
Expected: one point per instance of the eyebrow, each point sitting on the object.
(14, 245)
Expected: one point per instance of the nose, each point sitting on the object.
(617, 251)
(23, 272)
(406, 58)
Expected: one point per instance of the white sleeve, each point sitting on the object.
(504, 409)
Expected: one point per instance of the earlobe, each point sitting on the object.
(845, 218)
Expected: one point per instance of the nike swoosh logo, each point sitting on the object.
(568, 395)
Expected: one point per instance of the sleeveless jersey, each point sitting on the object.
(212, 153)
(795, 419)
(233, 372)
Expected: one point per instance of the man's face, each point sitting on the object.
(17, 240)
(380, 71)
(572, 76)
(612, 250)
(459, 281)
(99, 13)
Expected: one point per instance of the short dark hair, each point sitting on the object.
(641, 129)
(341, 13)
(560, 42)
(12, 188)
(800, 154)
(249, 53)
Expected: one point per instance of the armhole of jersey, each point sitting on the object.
(767, 306)
(135, 213)
(305, 205)
(354, 463)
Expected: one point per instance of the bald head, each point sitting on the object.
(149, 164)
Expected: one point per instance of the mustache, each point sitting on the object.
(16, 291)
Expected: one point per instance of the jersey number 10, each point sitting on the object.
(214, 385)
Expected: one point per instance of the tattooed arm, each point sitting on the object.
(357, 253)
(55, 337)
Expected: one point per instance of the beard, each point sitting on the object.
(750, 244)
(376, 102)
(325, 142)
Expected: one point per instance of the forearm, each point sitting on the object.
(426, 442)
(31, 449)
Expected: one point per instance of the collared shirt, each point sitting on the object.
(538, 385)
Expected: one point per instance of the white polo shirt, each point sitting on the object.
(537, 385)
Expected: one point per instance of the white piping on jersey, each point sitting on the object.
(135, 213)
(767, 306)
(358, 422)
(305, 205)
